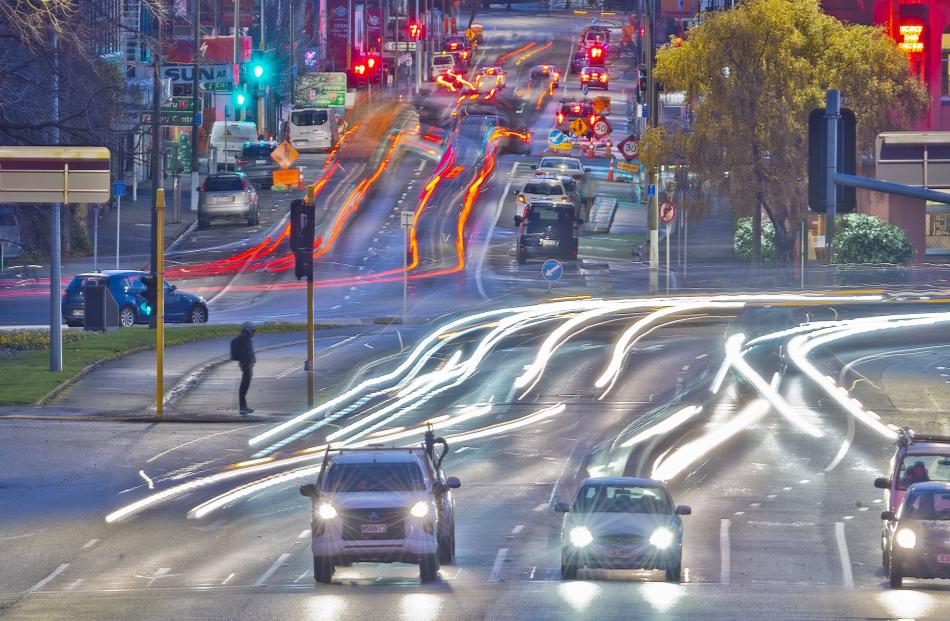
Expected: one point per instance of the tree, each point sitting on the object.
(751, 76)
(866, 239)
(743, 243)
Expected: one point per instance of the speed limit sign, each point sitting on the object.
(628, 148)
(667, 212)
(601, 128)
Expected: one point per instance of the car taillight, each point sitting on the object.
(560, 118)
(593, 118)
(603, 78)
(204, 187)
(242, 162)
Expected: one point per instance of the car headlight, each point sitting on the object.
(662, 538)
(580, 537)
(906, 538)
(419, 510)
(326, 511)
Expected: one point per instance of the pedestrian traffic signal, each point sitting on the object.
(595, 55)
(150, 294)
(301, 238)
(415, 31)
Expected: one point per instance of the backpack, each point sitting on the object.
(235, 349)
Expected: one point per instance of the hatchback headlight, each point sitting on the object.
(580, 537)
(906, 538)
(662, 538)
(419, 510)
(326, 511)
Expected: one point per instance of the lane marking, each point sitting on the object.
(281, 560)
(517, 529)
(495, 575)
(724, 560)
(541, 507)
(89, 544)
(846, 574)
(147, 480)
(23, 536)
(39, 585)
(499, 208)
(160, 573)
(72, 585)
(303, 533)
(228, 579)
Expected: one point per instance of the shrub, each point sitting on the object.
(743, 242)
(29, 340)
(861, 238)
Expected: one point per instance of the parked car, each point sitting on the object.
(256, 162)
(127, 289)
(228, 195)
(622, 523)
(916, 534)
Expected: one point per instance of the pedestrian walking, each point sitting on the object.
(242, 350)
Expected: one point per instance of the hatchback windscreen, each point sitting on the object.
(308, 118)
(376, 477)
(927, 505)
(621, 499)
(223, 184)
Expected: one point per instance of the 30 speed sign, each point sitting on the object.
(628, 148)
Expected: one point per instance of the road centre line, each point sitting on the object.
(846, 574)
(39, 585)
(272, 569)
(495, 575)
(89, 544)
(541, 507)
(724, 560)
(517, 529)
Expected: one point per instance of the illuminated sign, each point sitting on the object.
(911, 36)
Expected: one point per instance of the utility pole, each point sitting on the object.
(293, 57)
(832, 114)
(55, 264)
(418, 62)
(196, 106)
(653, 114)
(261, 88)
(156, 163)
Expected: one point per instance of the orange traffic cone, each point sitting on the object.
(590, 149)
(607, 151)
(610, 171)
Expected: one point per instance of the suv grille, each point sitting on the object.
(621, 539)
(374, 524)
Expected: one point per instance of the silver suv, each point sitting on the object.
(383, 505)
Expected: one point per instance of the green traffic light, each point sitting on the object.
(258, 71)
(241, 99)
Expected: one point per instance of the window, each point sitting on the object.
(545, 189)
(927, 505)
(921, 468)
(223, 183)
(622, 499)
(257, 150)
(308, 118)
(374, 477)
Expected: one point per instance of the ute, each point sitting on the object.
(383, 505)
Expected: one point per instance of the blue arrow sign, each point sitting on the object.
(118, 188)
(556, 137)
(552, 270)
(585, 89)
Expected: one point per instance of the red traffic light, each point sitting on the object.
(596, 52)
(359, 69)
(372, 63)
(415, 31)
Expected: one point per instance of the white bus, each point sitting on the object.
(313, 129)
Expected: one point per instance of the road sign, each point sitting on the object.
(556, 137)
(118, 188)
(667, 212)
(288, 177)
(601, 104)
(404, 46)
(552, 270)
(174, 119)
(629, 148)
(628, 167)
(198, 118)
(601, 128)
(646, 111)
(579, 126)
(651, 190)
(586, 90)
(320, 90)
(284, 155)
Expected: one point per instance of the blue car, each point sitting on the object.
(127, 289)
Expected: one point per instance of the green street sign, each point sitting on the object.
(320, 90)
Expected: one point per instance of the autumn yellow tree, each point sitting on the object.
(751, 76)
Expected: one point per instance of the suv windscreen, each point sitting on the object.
(921, 468)
(256, 151)
(621, 499)
(545, 189)
(374, 477)
(561, 164)
(223, 184)
(308, 118)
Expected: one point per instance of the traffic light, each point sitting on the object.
(150, 294)
(258, 69)
(240, 98)
(641, 83)
(415, 31)
(301, 238)
(595, 56)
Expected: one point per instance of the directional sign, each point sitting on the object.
(651, 190)
(586, 90)
(601, 128)
(579, 126)
(556, 137)
(667, 212)
(118, 188)
(552, 270)
(198, 118)
(601, 104)
(284, 155)
(629, 148)
(627, 167)
(646, 111)
(404, 46)
(320, 90)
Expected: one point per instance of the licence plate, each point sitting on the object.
(260, 161)
(373, 529)
(225, 199)
(78, 312)
(623, 553)
(943, 558)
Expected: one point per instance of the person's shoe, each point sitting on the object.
(247, 410)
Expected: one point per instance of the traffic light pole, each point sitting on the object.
(832, 114)
(653, 200)
(159, 313)
(196, 106)
(310, 340)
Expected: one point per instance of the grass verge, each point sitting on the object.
(27, 378)
(610, 245)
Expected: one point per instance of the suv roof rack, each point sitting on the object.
(907, 436)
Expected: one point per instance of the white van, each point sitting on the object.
(313, 129)
(228, 137)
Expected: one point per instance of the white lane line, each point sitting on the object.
(147, 480)
(72, 585)
(272, 569)
(302, 576)
(303, 533)
(89, 544)
(495, 574)
(517, 529)
(39, 585)
(846, 575)
(541, 507)
(499, 207)
(228, 579)
(162, 572)
(724, 561)
(462, 449)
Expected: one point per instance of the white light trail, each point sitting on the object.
(665, 426)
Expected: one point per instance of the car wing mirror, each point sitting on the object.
(172, 288)
(882, 483)
(309, 490)
(453, 483)
(517, 220)
(562, 507)
(534, 167)
(888, 516)
(587, 169)
(683, 510)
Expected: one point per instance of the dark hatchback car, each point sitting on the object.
(547, 230)
(127, 289)
(918, 534)
(257, 164)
